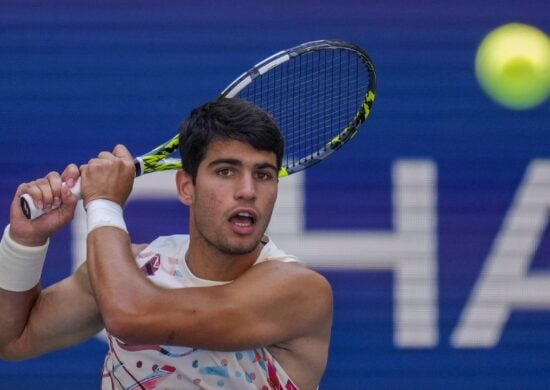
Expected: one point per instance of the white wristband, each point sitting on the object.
(102, 212)
(20, 265)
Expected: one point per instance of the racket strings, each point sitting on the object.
(312, 97)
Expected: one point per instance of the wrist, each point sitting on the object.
(103, 212)
(27, 240)
(20, 265)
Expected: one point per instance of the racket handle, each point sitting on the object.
(32, 212)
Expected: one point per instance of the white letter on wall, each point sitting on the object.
(505, 282)
(410, 250)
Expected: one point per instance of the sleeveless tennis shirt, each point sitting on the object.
(174, 367)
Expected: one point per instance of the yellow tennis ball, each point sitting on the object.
(512, 65)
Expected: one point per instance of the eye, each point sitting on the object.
(224, 172)
(264, 176)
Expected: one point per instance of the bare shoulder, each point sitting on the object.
(289, 273)
(295, 285)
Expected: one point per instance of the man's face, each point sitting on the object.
(233, 196)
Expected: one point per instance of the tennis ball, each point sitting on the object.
(512, 65)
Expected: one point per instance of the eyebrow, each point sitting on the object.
(236, 162)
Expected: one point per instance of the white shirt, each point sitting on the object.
(170, 367)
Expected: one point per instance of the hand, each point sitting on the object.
(109, 176)
(48, 192)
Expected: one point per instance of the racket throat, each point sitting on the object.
(140, 167)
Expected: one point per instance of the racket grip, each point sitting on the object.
(32, 212)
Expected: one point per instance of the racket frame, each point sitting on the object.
(158, 158)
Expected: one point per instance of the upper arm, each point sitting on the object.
(64, 314)
(271, 303)
(275, 302)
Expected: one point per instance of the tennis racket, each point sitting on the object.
(319, 93)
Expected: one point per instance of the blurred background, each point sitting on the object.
(431, 225)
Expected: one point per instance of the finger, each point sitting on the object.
(55, 182)
(46, 193)
(70, 175)
(23, 188)
(33, 191)
(120, 151)
(94, 162)
(106, 155)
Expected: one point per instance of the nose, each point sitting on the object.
(246, 188)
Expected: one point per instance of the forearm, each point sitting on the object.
(35, 321)
(121, 290)
(16, 308)
(59, 316)
(133, 308)
(20, 270)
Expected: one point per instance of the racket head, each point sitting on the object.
(319, 93)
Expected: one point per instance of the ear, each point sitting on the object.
(186, 188)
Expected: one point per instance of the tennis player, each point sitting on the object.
(222, 307)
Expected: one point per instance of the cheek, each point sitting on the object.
(209, 202)
(270, 198)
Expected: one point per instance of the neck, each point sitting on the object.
(208, 263)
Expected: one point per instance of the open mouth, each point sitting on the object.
(243, 219)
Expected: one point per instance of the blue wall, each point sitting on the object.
(77, 79)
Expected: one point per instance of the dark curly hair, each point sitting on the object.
(227, 119)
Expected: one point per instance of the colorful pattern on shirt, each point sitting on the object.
(172, 367)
